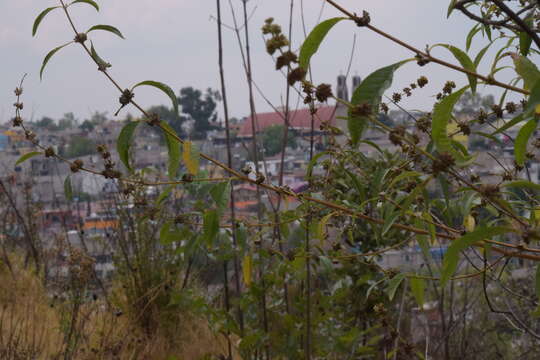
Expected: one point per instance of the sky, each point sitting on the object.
(175, 42)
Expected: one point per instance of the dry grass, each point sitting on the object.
(33, 325)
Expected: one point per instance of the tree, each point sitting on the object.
(201, 108)
(170, 117)
(78, 146)
(68, 121)
(46, 123)
(272, 140)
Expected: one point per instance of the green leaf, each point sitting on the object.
(534, 99)
(522, 139)
(321, 228)
(164, 194)
(418, 287)
(123, 142)
(173, 149)
(101, 63)
(210, 226)
(89, 2)
(68, 189)
(465, 61)
(525, 40)
(471, 35)
(40, 18)
(314, 40)
(527, 70)
(442, 113)
(508, 125)
(191, 157)
(522, 184)
(480, 55)
(48, 57)
(370, 91)
(163, 87)
(450, 8)
(393, 285)
(27, 156)
(220, 194)
(108, 28)
(451, 257)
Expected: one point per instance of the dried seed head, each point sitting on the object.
(442, 163)
(407, 91)
(490, 190)
(80, 38)
(17, 121)
(18, 91)
(497, 110)
(188, 178)
(153, 119)
(362, 110)
(18, 105)
(396, 135)
(464, 128)
(49, 152)
(511, 107)
(482, 117)
(423, 124)
(287, 59)
(323, 92)
(384, 108)
(396, 97)
(449, 87)
(296, 75)
(422, 81)
(259, 178)
(362, 21)
(126, 97)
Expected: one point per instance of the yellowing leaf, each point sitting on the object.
(537, 110)
(246, 269)
(191, 157)
(469, 223)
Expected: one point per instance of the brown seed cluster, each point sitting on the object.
(442, 163)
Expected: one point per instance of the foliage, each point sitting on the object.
(272, 142)
(316, 279)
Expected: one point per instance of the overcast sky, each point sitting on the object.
(175, 41)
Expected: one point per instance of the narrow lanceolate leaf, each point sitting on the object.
(393, 285)
(525, 40)
(451, 258)
(471, 35)
(165, 88)
(123, 143)
(27, 156)
(465, 61)
(522, 139)
(191, 157)
(247, 265)
(48, 57)
(511, 123)
(108, 28)
(451, 7)
(314, 40)
(40, 17)
(89, 2)
(370, 92)
(418, 287)
(210, 226)
(101, 63)
(173, 148)
(527, 70)
(523, 184)
(480, 55)
(68, 189)
(442, 114)
(220, 194)
(321, 228)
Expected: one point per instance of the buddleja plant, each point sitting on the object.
(320, 292)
